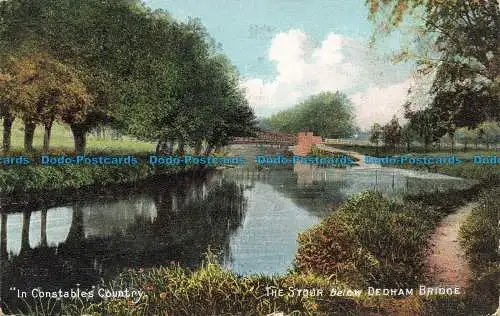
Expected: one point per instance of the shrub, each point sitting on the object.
(369, 241)
(39, 178)
(480, 234)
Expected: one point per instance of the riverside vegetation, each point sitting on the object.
(367, 241)
(36, 178)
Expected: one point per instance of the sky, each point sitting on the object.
(288, 50)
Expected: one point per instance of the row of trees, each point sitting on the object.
(392, 135)
(87, 63)
(327, 114)
(455, 46)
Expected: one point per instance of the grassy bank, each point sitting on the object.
(40, 179)
(211, 290)
(370, 241)
(383, 151)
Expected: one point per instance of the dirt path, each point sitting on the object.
(446, 261)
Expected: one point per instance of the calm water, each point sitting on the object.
(251, 218)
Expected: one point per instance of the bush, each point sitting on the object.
(480, 234)
(39, 178)
(369, 241)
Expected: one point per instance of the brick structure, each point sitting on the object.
(305, 142)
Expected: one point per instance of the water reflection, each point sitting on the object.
(86, 241)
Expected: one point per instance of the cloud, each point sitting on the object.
(377, 104)
(337, 63)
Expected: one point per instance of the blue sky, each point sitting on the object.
(286, 50)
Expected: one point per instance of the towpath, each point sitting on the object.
(446, 261)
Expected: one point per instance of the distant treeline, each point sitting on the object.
(326, 114)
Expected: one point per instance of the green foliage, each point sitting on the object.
(428, 124)
(480, 234)
(375, 134)
(369, 241)
(155, 78)
(36, 178)
(487, 174)
(457, 42)
(391, 133)
(408, 135)
(327, 114)
(211, 290)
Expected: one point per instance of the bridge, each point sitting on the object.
(269, 138)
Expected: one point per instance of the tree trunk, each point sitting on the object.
(80, 138)
(8, 119)
(46, 137)
(208, 150)
(169, 145)
(29, 133)
(197, 148)
(465, 146)
(408, 146)
(452, 142)
(180, 148)
(158, 147)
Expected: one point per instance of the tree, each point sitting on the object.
(391, 133)
(147, 74)
(42, 90)
(458, 42)
(489, 132)
(329, 114)
(428, 125)
(184, 92)
(467, 136)
(408, 135)
(375, 134)
(6, 111)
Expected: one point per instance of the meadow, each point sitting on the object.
(62, 141)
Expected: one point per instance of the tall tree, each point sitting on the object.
(457, 41)
(408, 135)
(6, 111)
(42, 90)
(391, 133)
(428, 125)
(375, 134)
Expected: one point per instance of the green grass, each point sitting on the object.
(480, 233)
(62, 141)
(371, 241)
(210, 290)
(372, 151)
(38, 178)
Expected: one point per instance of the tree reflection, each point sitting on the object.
(191, 215)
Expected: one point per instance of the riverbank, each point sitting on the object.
(18, 182)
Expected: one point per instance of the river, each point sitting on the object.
(249, 216)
